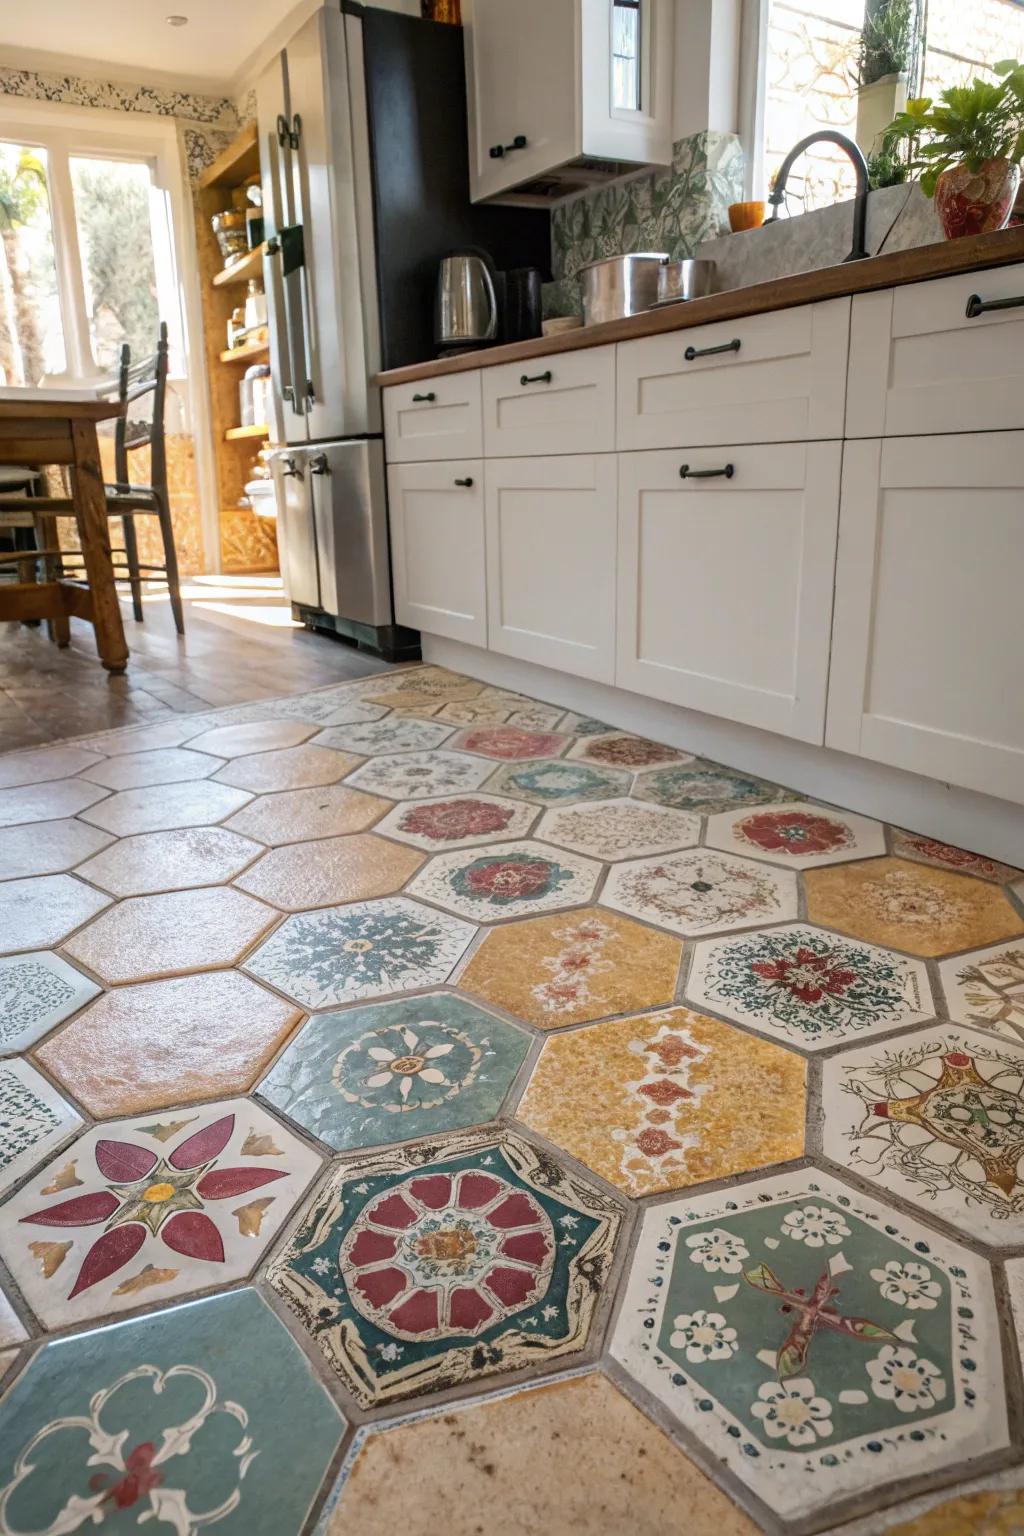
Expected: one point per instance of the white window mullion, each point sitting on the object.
(70, 284)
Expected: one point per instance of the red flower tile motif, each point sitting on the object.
(930, 851)
(450, 820)
(794, 832)
(511, 742)
(808, 976)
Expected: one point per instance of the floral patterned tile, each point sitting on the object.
(167, 806)
(511, 742)
(300, 815)
(986, 988)
(511, 880)
(390, 735)
(481, 711)
(179, 931)
(291, 768)
(619, 829)
(620, 750)
(38, 992)
(392, 1071)
(416, 690)
(531, 716)
(352, 712)
(458, 821)
(816, 1342)
(585, 725)
(937, 1117)
(145, 1210)
(417, 775)
(34, 1120)
(443, 1263)
(573, 967)
(252, 736)
(48, 847)
(701, 892)
(38, 913)
(330, 870)
(47, 801)
(45, 763)
(927, 850)
(174, 1417)
(367, 949)
(807, 986)
(910, 906)
(330, 708)
(170, 861)
(170, 765)
(667, 1100)
(553, 781)
(707, 788)
(801, 835)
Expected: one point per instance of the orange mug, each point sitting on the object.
(745, 216)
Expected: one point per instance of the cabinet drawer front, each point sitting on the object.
(919, 363)
(564, 403)
(551, 541)
(437, 548)
(783, 379)
(434, 419)
(926, 637)
(725, 583)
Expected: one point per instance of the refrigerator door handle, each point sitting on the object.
(293, 275)
(279, 339)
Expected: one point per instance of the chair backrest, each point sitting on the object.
(148, 376)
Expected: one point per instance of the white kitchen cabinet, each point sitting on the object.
(926, 641)
(725, 583)
(554, 106)
(437, 548)
(551, 550)
(564, 403)
(437, 418)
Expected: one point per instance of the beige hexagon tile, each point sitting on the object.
(170, 861)
(928, 850)
(573, 966)
(146, 738)
(302, 767)
(511, 742)
(168, 765)
(481, 711)
(619, 829)
(509, 880)
(252, 736)
(982, 1512)
(458, 821)
(329, 871)
(985, 988)
(49, 801)
(701, 891)
(40, 912)
(297, 815)
(416, 775)
(162, 807)
(620, 750)
(667, 1100)
(43, 763)
(800, 835)
(370, 737)
(197, 930)
(48, 847)
(910, 906)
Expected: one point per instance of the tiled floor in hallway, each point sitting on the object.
(424, 1108)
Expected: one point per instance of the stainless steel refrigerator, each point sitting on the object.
(363, 155)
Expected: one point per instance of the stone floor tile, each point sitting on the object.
(479, 711)
(553, 781)
(807, 986)
(986, 988)
(511, 742)
(37, 992)
(48, 847)
(909, 906)
(329, 871)
(34, 1120)
(144, 738)
(707, 788)
(417, 1066)
(12, 1329)
(36, 767)
(252, 736)
(457, 821)
(349, 713)
(299, 815)
(40, 912)
(619, 829)
(49, 801)
(146, 1046)
(320, 708)
(141, 1211)
(701, 892)
(500, 1467)
(181, 1413)
(818, 1343)
(145, 936)
(291, 768)
(416, 775)
(928, 850)
(424, 685)
(371, 737)
(170, 861)
(572, 967)
(667, 1100)
(509, 880)
(585, 725)
(986, 1512)
(620, 750)
(801, 835)
(440, 1264)
(170, 765)
(162, 808)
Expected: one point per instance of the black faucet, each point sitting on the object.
(860, 165)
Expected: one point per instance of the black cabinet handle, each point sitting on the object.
(727, 346)
(536, 378)
(686, 473)
(423, 399)
(468, 481)
(978, 306)
(497, 151)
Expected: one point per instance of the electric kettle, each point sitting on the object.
(466, 311)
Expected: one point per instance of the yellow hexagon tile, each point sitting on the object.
(574, 966)
(907, 906)
(667, 1100)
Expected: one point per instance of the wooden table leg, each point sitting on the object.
(94, 533)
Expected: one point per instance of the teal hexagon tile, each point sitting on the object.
(34, 1120)
(507, 880)
(818, 1343)
(174, 1418)
(396, 1070)
(38, 992)
(707, 788)
(552, 781)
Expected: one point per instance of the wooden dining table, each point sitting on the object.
(42, 427)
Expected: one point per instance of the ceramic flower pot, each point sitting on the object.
(974, 202)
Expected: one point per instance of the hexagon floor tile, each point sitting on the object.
(707, 788)
(800, 835)
(299, 815)
(393, 1071)
(37, 992)
(38, 913)
(252, 736)
(170, 861)
(372, 737)
(170, 765)
(34, 1120)
(457, 821)
(911, 845)
(620, 750)
(701, 892)
(147, 936)
(161, 808)
(330, 871)
(416, 775)
(509, 880)
(48, 847)
(44, 763)
(986, 988)
(511, 742)
(553, 781)
(48, 801)
(619, 829)
(291, 768)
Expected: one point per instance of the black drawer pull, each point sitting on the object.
(423, 399)
(536, 378)
(976, 305)
(727, 346)
(497, 151)
(468, 481)
(686, 473)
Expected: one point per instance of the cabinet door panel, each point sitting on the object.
(434, 419)
(566, 405)
(437, 546)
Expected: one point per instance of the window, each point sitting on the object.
(626, 55)
(115, 242)
(964, 40)
(31, 334)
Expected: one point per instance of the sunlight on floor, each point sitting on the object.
(253, 599)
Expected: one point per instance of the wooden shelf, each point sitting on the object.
(237, 434)
(236, 164)
(241, 270)
(249, 349)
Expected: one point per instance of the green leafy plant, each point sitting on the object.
(968, 125)
(887, 167)
(888, 40)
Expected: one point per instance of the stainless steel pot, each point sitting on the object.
(618, 286)
(687, 279)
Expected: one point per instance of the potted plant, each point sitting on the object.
(885, 61)
(968, 146)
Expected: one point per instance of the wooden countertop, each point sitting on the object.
(973, 253)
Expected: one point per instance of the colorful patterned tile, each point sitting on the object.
(48, 847)
(48, 801)
(986, 988)
(927, 850)
(173, 1418)
(910, 906)
(531, 716)
(481, 711)
(619, 829)
(809, 987)
(142, 1210)
(38, 992)
(145, 936)
(299, 815)
(556, 782)
(937, 1117)
(34, 1120)
(416, 775)
(707, 788)
(38, 913)
(331, 870)
(432, 685)
(510, 880)
(440, 1264)
(166, 1042)
(818, 1343)
(414, 700)
(511, 742)
(170, 765)
(167, 806)
(389, 1072)
(801, 835)
(367, 949)
(44, 763)
(585, 725)
(170, 861)
(369, 738)
(573, 967)
(667, 1100)
(701, 892)
(330, 708)
(254, 736)
(620, 750)
(459, 821)
(500, 1467)
(302, 767)
(987, 1512)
